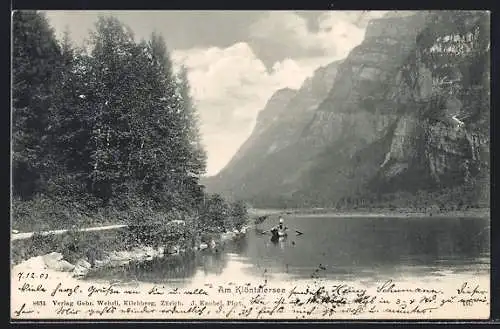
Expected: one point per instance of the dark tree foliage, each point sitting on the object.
(215, 212)
(35, 58)
(239, 214)
(108, 125)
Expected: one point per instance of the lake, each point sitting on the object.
(360, 249)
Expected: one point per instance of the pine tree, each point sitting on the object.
(35, 59)
(160, 141)
(215, 213)
(195, 154)
(197, 161)
(174, 127)
(239, 214)
(64, 124)
(110, 98)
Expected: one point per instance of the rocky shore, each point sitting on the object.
(55, 261)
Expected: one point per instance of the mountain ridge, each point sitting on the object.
(382, 121)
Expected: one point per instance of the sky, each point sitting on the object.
(236, 60)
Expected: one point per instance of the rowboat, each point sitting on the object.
(278, 234)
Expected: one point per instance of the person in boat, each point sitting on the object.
(280, 229)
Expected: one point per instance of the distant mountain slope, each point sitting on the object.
(278, 127)
(408, 109)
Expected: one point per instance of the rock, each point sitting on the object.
(81, 269)
(150, 252)
(55, 261)
(65, 266)
(101, 263)
(177, 222)
(174, 250)
(53, 256)
(32, 264)
(227, 236)
(123, 255)
(118, 258)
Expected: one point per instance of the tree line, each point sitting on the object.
(447, 199)
(106, 125)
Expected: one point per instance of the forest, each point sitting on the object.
(104, 133)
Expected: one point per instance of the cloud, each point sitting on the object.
(285, 28)
(341, 31)
(230, 86)
(338, 32)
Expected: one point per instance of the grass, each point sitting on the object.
(44, 214)
(73, 245)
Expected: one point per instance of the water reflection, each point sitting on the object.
(159, 270)
(212, 261)
(334, 247)
(374, 245)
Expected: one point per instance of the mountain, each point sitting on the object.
(277, 130)
(406, 111)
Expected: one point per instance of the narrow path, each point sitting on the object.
(27, 235)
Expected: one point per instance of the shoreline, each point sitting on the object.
(114, 256)
(403, 213)
(304, 212)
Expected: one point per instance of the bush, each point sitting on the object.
(156, 228)
(239, 214)
(73, 245)
(37, 245)
(42, 213)
(214, 214)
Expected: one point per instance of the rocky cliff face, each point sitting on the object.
(408, 109)
(405, 115)
(444, 93)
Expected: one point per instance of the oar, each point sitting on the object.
(296, 231)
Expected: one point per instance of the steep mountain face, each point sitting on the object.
(393, 128)
(408, 109)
